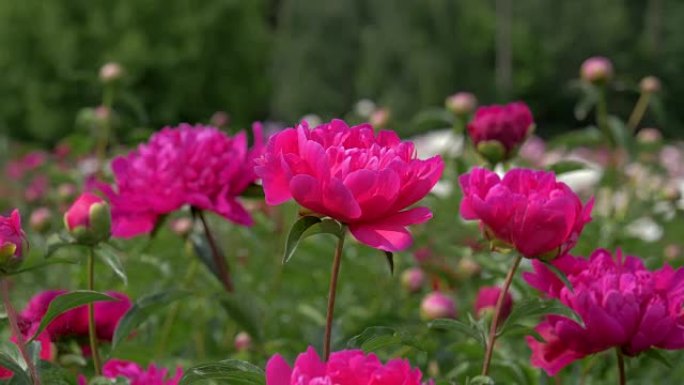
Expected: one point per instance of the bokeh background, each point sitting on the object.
(278, 60)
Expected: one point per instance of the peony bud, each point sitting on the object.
(243, 342)
(597, 70)
(650, 85)
(672, 252)
(497, 131)
(468, 267)
(649, 135)
(485, 304)
(461, 104)
(12, 240)
(111, 72)
(89, 219)
(182, 226)
(437, 305)
(220, 119)
(380, 118)
(412, 279)
(40, 219)
(66, 192)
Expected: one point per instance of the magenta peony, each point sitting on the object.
(528, 210)
(362, 179)
(89, 219)
(621, 305)
(194, 165)
(12, 240)
(137, 375)
(486, 300)
(74, 323)
(498, 130)
(346, 367)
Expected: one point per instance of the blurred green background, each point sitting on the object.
(282, 59)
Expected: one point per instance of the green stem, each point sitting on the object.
(638, 112)
(332, 290)
(622, 380)
(602, 116)
(491, 340)
(16, 332)
(219, 259)
(92, 333)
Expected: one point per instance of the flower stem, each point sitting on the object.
(638, 112)
(219, 259)
(331, 294)
(92, 332)
(622, 380)
(602, 116)
(14, 325)
(491, 340)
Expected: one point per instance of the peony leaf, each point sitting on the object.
(231, 372)
(111, 258)
(305, 227)
(67, 301)
(141, 310)
(11, 360)
(480, 380)
(390, 261)
(458, 326)
(559, 274)
(241, 308)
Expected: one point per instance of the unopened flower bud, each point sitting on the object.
(40, 219)
(66, 192)
(650, 85)
(437, 305)
(243, 342)
(111, 72)
(468, 268)
(672, 251)
(89, 219)
(485, 304)
(597, 70)
(413, 279)
(12, 240)
(461, 104)
(380, 118)
(649, 135)
(182, 226)
(220, 119)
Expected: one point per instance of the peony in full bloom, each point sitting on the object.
(187, 165)
(498, 130)
(137, 375)
(12, 240)
(346, 367)
(487, 298)
(362, 179)
(621, 305)
(526, 209)
(74, 323)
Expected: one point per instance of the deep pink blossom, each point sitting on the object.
(79, 212)
(346, 367)
(487, 298)
(360, 178)
(526, 209)
(12, 240)
(186, 165)
(74, 323)
(137, 375)
(508, 125)
(620, 303)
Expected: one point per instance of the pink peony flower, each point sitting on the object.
(528, 210)
(79, 212)
(620, 303)
(89, 219)
(498, 130)
(346, 367)
(361, 179)
(486, 300)
(195, 165)
(597, 70)
(136, 375)
(12, 240)
(74, 323)
(437, 305)
(47, 353)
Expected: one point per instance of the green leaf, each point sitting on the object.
(566, 166)
(57, 242)
(531, 308)
(10, 359)
(305, 227)
(374, 338)
(40, 265)
(390, 261)
(68, 301)
(228, 372)
(480, 380)
(559, 274)
(111, 258)
(657, 355)
(241, 308)
(143, 309)
(253, 191)
(458, 326)
(432, 119)
(53, 374)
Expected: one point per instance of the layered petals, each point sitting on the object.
(362, 179)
